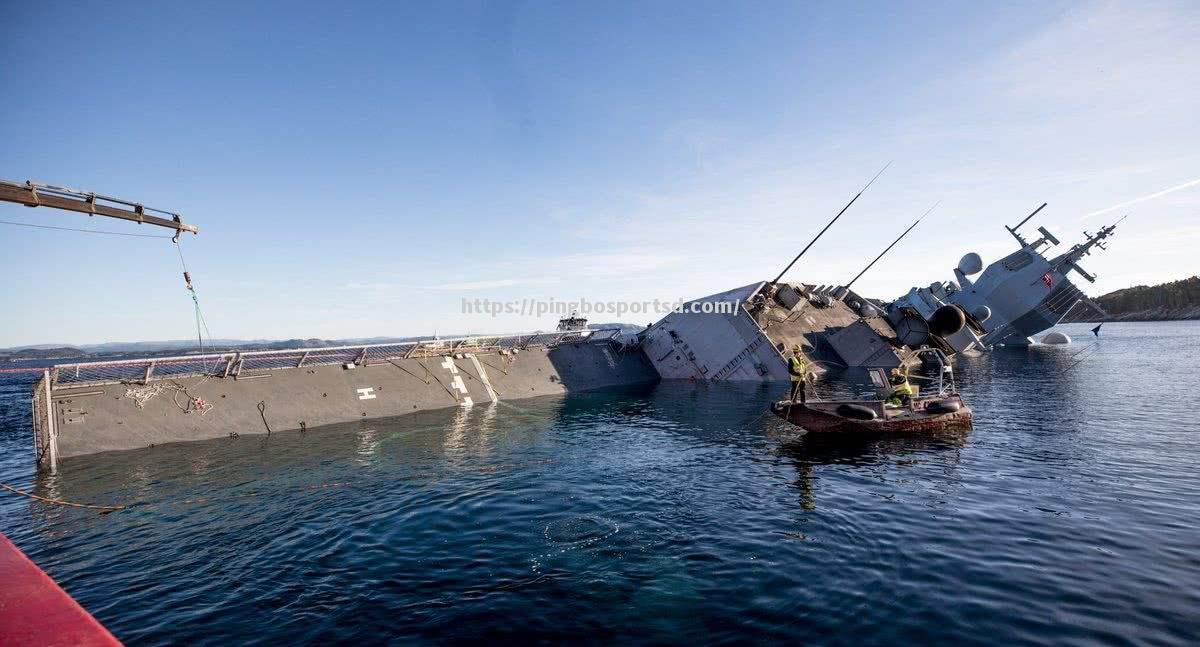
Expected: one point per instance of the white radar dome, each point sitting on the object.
(970, 264)
(1056, 338)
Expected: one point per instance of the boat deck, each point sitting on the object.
(825, 416)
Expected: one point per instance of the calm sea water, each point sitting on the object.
(1070, 514)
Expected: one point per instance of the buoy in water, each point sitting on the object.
(1056, 338)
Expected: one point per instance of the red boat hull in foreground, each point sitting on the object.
(34, 611)
(923, 414)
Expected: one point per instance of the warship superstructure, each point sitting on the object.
(1015, 297)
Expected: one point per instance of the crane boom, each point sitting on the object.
(32, 194)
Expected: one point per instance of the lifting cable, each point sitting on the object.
(201, 324)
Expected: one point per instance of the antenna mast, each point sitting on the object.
(835, 218)
(889, 247)
(1070, 260)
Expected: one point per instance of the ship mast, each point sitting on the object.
(881, 254)
(1013, 230)
(830, 224)
(1070, 260)
(34, 194)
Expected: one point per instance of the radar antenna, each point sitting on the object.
(1013, 230)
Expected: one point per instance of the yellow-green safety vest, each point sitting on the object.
(797, 368)
(904, 388)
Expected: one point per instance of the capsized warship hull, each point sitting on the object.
(88, 408)
(84, 409)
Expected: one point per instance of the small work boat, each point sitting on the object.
(942, 410)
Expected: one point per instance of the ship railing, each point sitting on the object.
(45, 440)
(1054, 308)
(237, 364)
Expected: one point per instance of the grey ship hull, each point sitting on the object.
(87, 416)
(753, 342)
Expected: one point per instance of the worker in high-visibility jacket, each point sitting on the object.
(798, 371)
(902, 390)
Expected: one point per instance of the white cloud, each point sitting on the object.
(1094, 107)
(354, 285)
(1144, 198)
(487, 284)
(621, 262)
(456, 286)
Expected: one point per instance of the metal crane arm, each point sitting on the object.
(32, 194)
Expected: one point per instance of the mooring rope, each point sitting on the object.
(105, 509)
(143, 394)
(69, 504)
(1086, 353)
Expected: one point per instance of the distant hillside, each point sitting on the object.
(114, 350)
(1165, 302)
(62, 352)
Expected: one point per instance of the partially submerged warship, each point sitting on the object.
(87, 408)
(1012, 299)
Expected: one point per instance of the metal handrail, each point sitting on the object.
(300, 349)
(313, 356)
(944, 367)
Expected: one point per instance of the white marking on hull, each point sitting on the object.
(483, 377)
(460, 386)
(366, 394)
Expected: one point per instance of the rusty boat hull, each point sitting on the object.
(924, 414)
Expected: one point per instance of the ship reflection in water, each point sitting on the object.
(811, 451)
(681, 513)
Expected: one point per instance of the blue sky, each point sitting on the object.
(358, 169)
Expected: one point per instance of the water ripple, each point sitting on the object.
(679, 515)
